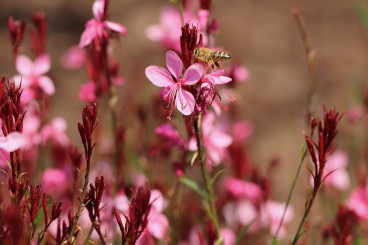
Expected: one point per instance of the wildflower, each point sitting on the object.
(167, 32)
(32, 73)
(74, 58)
(97, 29)
(358, 201)
(174, 93)
(271, 214)
(87, 92)
(243, 189)
(56, 131)
(54, 181)
(215, 140)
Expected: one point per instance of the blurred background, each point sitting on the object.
(261, 35)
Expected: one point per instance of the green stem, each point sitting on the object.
(206, 179)
(306, 212)
(79, 212)
(290, 194)
(86, 241)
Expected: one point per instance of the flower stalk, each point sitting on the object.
(206, 177)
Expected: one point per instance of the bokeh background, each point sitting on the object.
(261, 35)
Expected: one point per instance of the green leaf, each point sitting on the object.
(242, 232)
(216, 176)
(194, 158)
(9, 165)
(220, 241)
(194, 186)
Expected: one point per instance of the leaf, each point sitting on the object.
(216, 176)
(9, 165)
(243, 231)
(194, 186)
(194, 158)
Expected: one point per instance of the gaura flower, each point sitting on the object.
(96, 29)
(174, 93)
(31, 73)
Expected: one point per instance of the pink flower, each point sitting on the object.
(87, 92)
(240, 73)
(243, 189)
(56, 131)
(354, 113)
(242, 130)
(171, 135)
(215, 139)
(13, 141)
(339, 178)
(31, 73)
(74, 58)
(228, 236)
(271, 214)
(242, 212)
(96, 29)
(174, 93)
(169, 30)
(358, 201)
(54, 181)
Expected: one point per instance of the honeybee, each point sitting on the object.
(209, 56)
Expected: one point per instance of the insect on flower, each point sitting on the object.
(207, 55)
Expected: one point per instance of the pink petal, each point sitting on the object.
(174, 64)
(245, 212)
(13, 141)
(98, 9)
(116, 27)
(54, 181)
(154, 33)
(193, 74)
(242, 130)
(185, 102)
(42, 64)
(203, 16)
(339, 179)
(241, 74)
(74, 58)
(158, 225)
(47, 85)
(168, 131)
(24, 65)
(338, 159)
(358, 202)
(24, 81)
(87, 92)
(118, 81)
(159, 76)
(228, 236)
(220, 139)
(88, 35)
(157, 200)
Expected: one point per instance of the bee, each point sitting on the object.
(209, 56)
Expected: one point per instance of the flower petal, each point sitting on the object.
(89, 34)
(159, 76)
(13, 141)
(42, 64)
(116, 27)
(98, 9)
(174, 64)
(47, 85)
(193, 74)
(24, 65)
(185, 102)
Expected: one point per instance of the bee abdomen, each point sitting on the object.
(221, 56)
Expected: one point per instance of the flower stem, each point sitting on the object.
(79, 212)
(304, 154)
(206, 177)
(306, 212)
